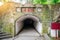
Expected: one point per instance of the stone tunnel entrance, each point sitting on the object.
(28, 25)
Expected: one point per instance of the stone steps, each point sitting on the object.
(4, 35)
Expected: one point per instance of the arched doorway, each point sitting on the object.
(28, 22)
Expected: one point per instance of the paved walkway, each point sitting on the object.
(29, 34)
(29, 38)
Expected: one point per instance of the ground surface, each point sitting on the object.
(28, 34)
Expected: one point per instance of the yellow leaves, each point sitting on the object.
(6, 7)
(5, 0)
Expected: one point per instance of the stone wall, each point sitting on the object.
(10, 16)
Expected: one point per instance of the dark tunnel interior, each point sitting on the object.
(28, 26)
(28, 23)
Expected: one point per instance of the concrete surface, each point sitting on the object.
(29, 34)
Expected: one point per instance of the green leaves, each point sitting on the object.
(57, 1)
(36, 1)
(46, 1)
